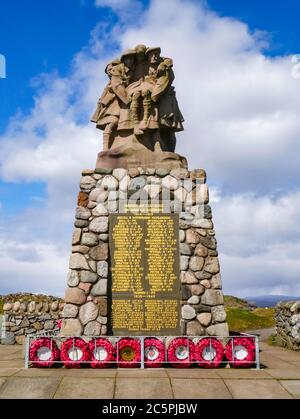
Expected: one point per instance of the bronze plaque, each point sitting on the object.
(144, 251)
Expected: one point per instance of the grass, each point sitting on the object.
(242, 319)
(272, 341)
(235, 302)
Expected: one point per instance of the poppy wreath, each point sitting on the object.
(210, 353)
(59, 324)
(43, 353)
(243, 355)
(154, 351)
(74, 358)
(182, 352)
(129, 353)
(102, 353)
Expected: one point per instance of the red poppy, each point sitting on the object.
(154, 352)
(182, 352)
(240, 352)
(102, 353)
(129, 353)
(74, 353)
(210, 352)
(43, 352)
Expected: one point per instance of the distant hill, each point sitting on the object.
(235, 302)
(270, 300)
(243, 315)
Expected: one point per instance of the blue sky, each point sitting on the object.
(44, 36)
(51, 46)
(40, 37)
(279, 18)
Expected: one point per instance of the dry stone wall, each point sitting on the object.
(27, 318)
(288, 324)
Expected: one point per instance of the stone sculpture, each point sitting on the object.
(138, 112)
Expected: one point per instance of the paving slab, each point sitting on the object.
(184, 388)
(284, 374)
(16, 363)
(282, 377)
(90, 373)
(243, 374)
(257, 389)
(7, 372)
(293, 387)
(191, 373)
(297, 364)
(272, 361)
(11, 353)
(143, 388)
(289, 356)
(10, 349)
(10, 357)
(141, 373)
(2, 381)
(39, 372)
(263, 334)
(65, 372)
(29, 388)
(85, 388)
(266, 347)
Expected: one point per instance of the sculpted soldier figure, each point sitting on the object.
(107, 113)
(135, 89)
(114, 96)
(144, 89)
(141, 65)
(139, 100)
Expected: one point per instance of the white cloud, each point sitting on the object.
(117, 5)
(261, 274)
(32, 266)
(259, 243)
(241, 107)
(242, 126)
(49, 143)
(127, 10)
(256, 224)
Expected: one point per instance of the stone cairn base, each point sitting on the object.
(288, 324)
(106, 191)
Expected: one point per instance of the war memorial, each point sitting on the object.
(144, 283)
(144, 258)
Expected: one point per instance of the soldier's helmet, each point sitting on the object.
(128, 53)
(141, 49)
(111, 65)
(152, 49)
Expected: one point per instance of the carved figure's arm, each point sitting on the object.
(119, 89)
